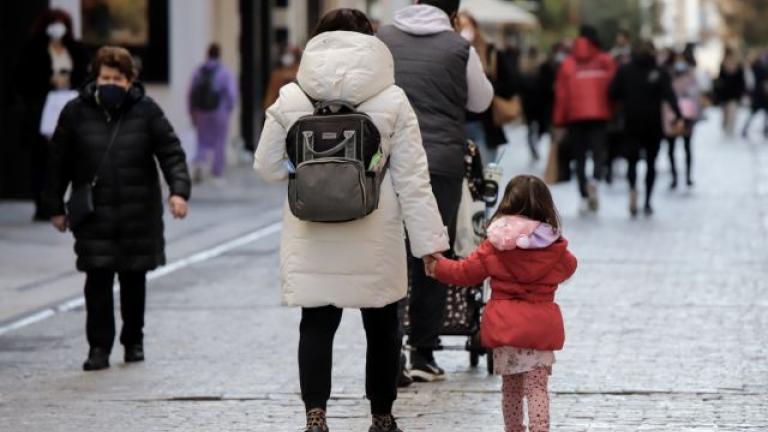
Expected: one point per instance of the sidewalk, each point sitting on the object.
(665, 323)
(37, 264)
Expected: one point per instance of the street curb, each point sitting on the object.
(204, 255)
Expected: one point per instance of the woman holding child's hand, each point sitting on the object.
(358, 264)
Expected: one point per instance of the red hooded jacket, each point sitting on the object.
(522, 312)
(581, 89)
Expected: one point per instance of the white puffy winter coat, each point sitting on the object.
(360, 264)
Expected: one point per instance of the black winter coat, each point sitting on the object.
(126, 230)
(642, 87)
(730, 85)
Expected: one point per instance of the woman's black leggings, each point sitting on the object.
(651, 148)
(317, 330)
(688, 156)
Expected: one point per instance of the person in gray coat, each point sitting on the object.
(443, 77)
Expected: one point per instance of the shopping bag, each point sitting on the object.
(54, 104)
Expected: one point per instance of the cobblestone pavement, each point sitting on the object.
(666, 331)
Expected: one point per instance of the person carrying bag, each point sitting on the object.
(331, 261)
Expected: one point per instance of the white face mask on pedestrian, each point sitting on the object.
(287, 60)
(56, 31)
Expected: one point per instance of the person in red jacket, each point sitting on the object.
(582, 105)
(526, 258)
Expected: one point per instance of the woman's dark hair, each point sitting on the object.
(644, 49)
(49, 17)
(590, 33)
(114, 57)
(529, 196)
(344, 20)
(450, 7)
(214, 51)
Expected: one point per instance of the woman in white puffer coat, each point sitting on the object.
(359, 264)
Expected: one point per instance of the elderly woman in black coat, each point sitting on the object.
(109, 138)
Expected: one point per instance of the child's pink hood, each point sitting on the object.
(510, 232)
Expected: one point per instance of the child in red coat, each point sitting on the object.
(526, 258)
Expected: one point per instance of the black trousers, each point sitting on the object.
(585, 138)
(688, 156)
(317, 330)
(99, 304)
(428, 296)
(651, 147)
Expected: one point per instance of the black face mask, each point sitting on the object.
(111, 96)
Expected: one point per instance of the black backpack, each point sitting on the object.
(339, 164)
(204, 96)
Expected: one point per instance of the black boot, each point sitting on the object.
(316, 421)
(384, 423)
(134, 353)
(648, 210)
(98, 358)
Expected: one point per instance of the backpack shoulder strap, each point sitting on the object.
(320, 106)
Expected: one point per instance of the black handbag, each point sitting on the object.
(80, 203)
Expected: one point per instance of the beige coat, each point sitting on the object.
(361, 263)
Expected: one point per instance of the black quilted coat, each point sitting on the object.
(126, 230)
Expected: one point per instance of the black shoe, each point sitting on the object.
(689, 182)
(40, 217)
(648, 210)
(384, 424)
(427, 371)
(98, 359)
(134, 353)
(673, 185)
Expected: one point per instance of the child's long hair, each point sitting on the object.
(529, 196)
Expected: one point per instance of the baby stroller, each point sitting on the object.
(464, 306)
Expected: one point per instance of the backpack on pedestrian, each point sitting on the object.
(336, 162)
(205, 96)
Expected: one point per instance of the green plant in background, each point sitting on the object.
(745, 21)
(562, 18)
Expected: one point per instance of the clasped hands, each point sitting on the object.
(430, 262)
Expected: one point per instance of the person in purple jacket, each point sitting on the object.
(211, 99)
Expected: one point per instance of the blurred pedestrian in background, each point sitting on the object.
(52, 60)
(642, 86)
(284, 74)
(622, 47)
(614, 148)
(758, 94)
(729, 89)
(583, 107)
(211, 100)
(682, 68)
(538, 92)
(358, 264)
(483, 128)
(106, 146)
(443, 76)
